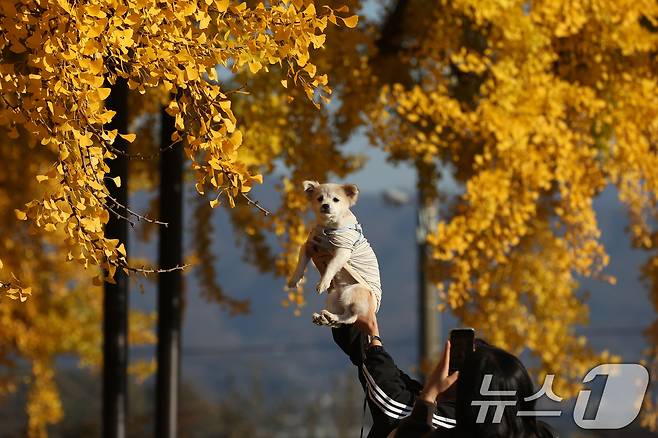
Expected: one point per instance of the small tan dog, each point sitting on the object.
(341, 253)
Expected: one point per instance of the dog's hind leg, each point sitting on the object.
(355, 300)
(347, 317)
(345, 308)
(334, 320)
(332, 312)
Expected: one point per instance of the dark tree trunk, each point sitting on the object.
(429, 324)
(169, 283)
(115, 310)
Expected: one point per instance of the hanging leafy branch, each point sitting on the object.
(59, 56)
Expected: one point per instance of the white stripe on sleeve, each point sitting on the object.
(394, 408)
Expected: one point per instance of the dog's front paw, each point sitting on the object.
(293, 283)
(319, 319)
(323, 285)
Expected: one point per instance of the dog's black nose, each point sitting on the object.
(325, 207)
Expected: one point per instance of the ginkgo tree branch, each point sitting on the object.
(144, 270)
(256, 204)
(142, 156)
(138, 216)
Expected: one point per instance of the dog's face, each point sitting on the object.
(330, 201)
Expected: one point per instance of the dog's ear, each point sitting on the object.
(309, 187)
(352, 192)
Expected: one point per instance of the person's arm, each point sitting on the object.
(393, 391)
(439, 381)
(417, 424)
(388, 388)
(390, 391)
(350, 339)
(422, 418)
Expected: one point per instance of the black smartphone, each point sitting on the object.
(462, 341)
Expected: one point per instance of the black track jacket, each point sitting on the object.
(390, 392)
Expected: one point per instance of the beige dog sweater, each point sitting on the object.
(362, 264)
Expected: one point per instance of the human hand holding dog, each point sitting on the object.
(368, 323)
(439, 381)
(368, 326)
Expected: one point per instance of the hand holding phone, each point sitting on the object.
(439, 380)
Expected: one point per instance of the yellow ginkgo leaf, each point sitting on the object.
(128, 137)
(255, 66)
(351, 22)
(222, 5)
(103, 93)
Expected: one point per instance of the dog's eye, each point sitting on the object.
(320, 199)
(335, 199)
